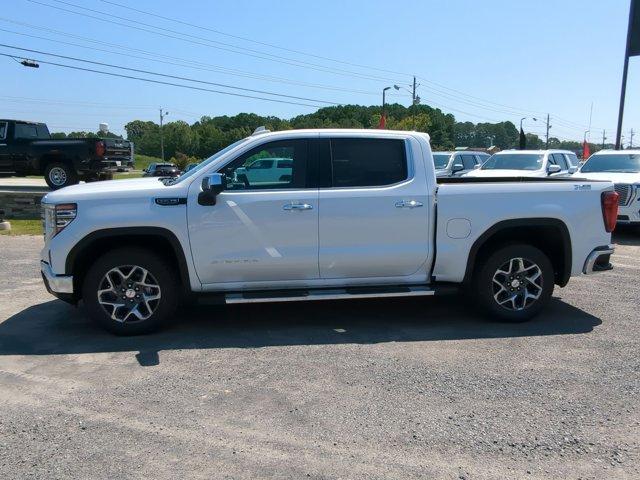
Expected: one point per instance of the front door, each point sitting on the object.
(263, 228)
(374, 214)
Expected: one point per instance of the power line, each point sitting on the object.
(286, 60)
(191, 87)
(516, 111)
(180, 61)
(238, 37)
(175, 77)
(210, 43)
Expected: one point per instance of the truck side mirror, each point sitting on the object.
(457, 167)
(573, 169)
(477, 166)
(212, 185)
(551, 169)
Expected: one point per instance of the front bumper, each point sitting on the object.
(598, 260)
(59, 285)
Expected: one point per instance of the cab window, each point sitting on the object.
(274, 165)
(367, 162)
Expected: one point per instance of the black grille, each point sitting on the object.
(624, 190)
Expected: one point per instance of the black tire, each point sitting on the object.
(59, 175)
(506, 299)
(158, 311)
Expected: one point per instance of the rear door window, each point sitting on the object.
(468, 162)
(367, 162)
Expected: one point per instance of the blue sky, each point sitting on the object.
(482, 61)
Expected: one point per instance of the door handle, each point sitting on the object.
(297, 206)
(408, 204)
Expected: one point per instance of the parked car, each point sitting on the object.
(26, 148)
(527, 163)
(161, 170)
(360, 216)
(190, 167)
(622, 167)
(265, 171)
(455, 164)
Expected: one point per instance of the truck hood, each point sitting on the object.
(614, 177)
(505, 173)
(135, 187)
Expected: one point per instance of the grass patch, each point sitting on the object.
(126, 175)
(24, 227)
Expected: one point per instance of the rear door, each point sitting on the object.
(373, 208)
(468, 162)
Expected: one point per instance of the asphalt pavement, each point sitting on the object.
(404, 388)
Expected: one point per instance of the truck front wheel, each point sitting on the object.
(59, 175)
(130, 291)
(514, 283)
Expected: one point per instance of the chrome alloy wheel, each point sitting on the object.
(58, 176)
(517, 284)
(129, 293)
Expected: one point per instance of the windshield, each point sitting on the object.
(514, 161)
(204, 163)
(441, 160)
(621, 163)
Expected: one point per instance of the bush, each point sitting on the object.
(181, 160)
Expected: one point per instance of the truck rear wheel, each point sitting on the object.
(514, 283)
(130, 291)
(59, 175)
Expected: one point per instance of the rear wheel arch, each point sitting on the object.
(44, 160)
(550, 235)
(158, 240)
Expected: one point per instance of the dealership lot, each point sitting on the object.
(355, 389)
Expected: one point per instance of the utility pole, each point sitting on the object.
(413, 95)
(413, 101)
(631, 139)
(548, 127)
(603, 138)
(162, 115)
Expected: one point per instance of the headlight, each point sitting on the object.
(56, 217)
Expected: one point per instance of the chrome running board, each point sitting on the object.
(327, 294)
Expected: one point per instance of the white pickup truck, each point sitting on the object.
(359, 215)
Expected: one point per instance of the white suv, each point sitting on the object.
(622, 167)
(528, 163)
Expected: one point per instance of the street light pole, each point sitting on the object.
(162, 115)
(384, 93)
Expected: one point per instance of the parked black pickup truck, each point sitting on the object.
(26, 148)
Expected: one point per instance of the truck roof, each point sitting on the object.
(364, 132)
(550, 150)
(20, 121)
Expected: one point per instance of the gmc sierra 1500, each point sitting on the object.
(349, 214)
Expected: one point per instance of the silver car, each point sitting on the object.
(455, 164)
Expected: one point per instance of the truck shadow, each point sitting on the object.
(56, 328)
(626, 235)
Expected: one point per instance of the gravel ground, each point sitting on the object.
(380, 389)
